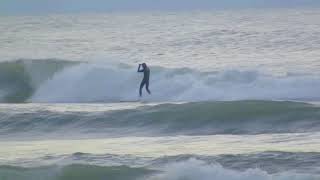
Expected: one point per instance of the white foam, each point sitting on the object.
(113, 83)
(198, 170)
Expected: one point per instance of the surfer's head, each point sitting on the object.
(144, 65)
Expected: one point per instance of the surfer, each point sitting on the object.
(145, 80)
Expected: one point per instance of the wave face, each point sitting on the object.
(20, 79)
(72, 172)
(198, 118)
(72, 82)
(114, 83)
(189, 170)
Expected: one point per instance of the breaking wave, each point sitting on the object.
(114, 83)
(188, 170)
(73, 82)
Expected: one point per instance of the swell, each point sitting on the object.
(198, 118)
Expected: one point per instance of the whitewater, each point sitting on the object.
(235, 96)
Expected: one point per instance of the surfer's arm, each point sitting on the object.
(139, 68)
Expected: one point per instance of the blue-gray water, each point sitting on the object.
(234, 96)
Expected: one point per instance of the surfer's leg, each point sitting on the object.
(141, 86)
(147, 87)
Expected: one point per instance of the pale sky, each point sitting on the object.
(57, 6)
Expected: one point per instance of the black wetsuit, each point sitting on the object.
(145, 80)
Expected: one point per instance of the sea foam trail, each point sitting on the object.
(114, 83)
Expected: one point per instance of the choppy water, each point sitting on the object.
(234, 96)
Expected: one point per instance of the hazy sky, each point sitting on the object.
(56, 6)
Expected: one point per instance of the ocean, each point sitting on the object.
(235, 95)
